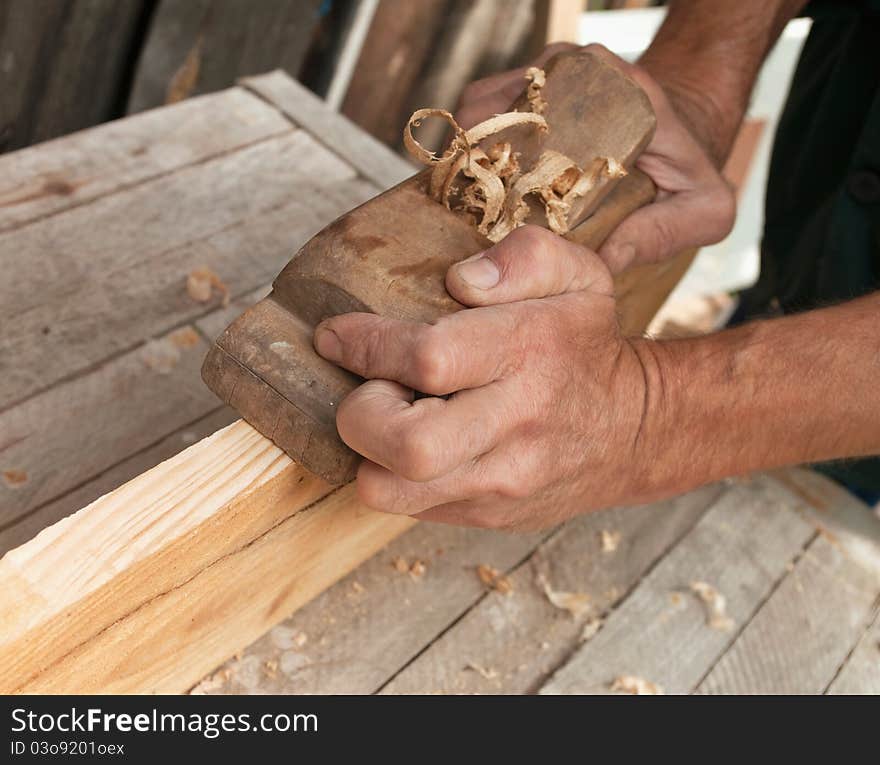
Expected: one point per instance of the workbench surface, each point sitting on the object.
(99, 356)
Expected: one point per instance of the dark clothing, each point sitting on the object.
(821, 240)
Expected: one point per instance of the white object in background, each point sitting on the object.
(351, 51)
(734, 263)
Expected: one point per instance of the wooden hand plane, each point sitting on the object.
(390, 256)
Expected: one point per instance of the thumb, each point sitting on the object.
(529, 263)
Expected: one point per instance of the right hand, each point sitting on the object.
(694, 205)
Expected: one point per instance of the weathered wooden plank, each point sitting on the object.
(741, 546)
(63, 65)
(198, 46)
(72, 170)
(71, 432)
(365, 628)
(398, 44)
(26, 527)
(861, 672)
(186, 553)
(805, 631)
(216, 321)
(519, 638)
(83, 297)
(371, 158)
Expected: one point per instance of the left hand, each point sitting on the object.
(547, 401)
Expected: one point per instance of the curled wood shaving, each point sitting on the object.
(576, 603)
(489, 185)
(537, 79)
(716, 606)
(635, 685)
(493, 579)
(201, 283)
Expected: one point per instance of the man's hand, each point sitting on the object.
(547, 396)
(694, 204)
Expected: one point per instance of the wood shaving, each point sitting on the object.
(591, 627)
(183, 81)
(492, 578)
(185, 337)
(161, 355)
(610, 540)
(716, 606)
(15, 479)
(212, 683)
(537, 79)
(486, 674)
(201, 283)
(270, 668)
(489, 185)
(301, 639)
(635, 685)
(576, 603)
(357, 587)
(417, 569)
(401, 566)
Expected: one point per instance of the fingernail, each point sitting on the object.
(327, 344)
(480, 272)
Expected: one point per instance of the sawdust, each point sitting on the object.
(576, 603)
(609, 540)
(15, 479)
(637, 686)
(201, 283)
(492, 578)
(484, 672)
(495, 188)
(716, 606)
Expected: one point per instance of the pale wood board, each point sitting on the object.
(361, 631)
(741, 547)
(520, 638)
(802, 636)
(69, 171)
(83, 297)
(71, 432)
(373, 159)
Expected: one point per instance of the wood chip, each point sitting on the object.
(15, 479)
(492, 578)
(591, 627)
(576, 603)
(270, 668)
(417, 569)
(301, 639)
(201, 283)
(486, 674)
(401, 566)
(716, 606)
(610, 540)
(637, 686)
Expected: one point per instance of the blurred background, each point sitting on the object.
(70, 64)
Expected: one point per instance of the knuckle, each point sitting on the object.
(434, 362)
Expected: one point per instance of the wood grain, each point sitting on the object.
(741, 547)
(375, 161)
(83, 298)
(69, 171)
(520, 638)
(861, 671)
(220, 40)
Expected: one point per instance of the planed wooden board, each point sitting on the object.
(217, 41)
(70, 171)
(83, 297)
(741, 547)
(861, 671)
(63, 65)
(369, 625)
(373, 159)
(520, 638)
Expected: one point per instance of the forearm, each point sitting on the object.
(800, 389)
(707, 55)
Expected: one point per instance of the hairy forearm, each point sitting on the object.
(707, 55)
(800, 389)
